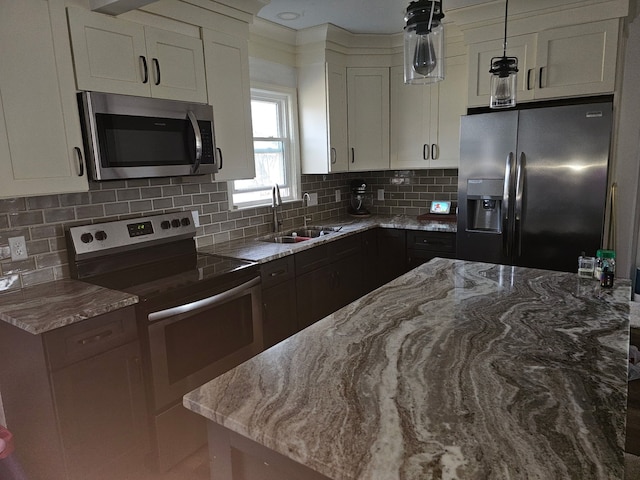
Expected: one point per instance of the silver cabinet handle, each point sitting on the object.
(353, 155)
(80, 161)
(157, 65)
(425, 151)
(145, 69)
(435, 151)
(95, 338)
(334, 156)
(205, 302)
(540, 79)
(529, 78)
(198, 142)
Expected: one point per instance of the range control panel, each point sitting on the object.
(121, 235)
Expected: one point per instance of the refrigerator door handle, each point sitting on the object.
(518, 203)
(506, 194)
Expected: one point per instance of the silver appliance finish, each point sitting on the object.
(92, 103)
(552, 163)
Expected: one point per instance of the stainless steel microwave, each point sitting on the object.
(137, 137)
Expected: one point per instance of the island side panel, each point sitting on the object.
(234, 457)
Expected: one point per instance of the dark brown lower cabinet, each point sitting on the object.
(392, 246)
(74, 397)
(423, 246)
(328, 277)
(279, 315)
(632, 444)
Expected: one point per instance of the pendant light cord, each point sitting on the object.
(504, 44)
(433, 7)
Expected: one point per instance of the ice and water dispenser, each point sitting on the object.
(484, 204)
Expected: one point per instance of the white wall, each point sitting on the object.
(627, 154)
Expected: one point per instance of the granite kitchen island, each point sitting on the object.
(456, 370)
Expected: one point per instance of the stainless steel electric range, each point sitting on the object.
(198, 315)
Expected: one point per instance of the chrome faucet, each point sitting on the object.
(306, 198)
(276, 201)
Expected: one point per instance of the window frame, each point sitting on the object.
(286, 98)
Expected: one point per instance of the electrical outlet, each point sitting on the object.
(196, 218)
(338, 196)
(18, 248)
(313, 199)
(381, 194)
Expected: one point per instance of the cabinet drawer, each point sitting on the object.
(432, 241)
(277, 271)
(345, 247)
(88, 338)
(311, 259)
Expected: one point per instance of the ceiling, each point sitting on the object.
(356, 16)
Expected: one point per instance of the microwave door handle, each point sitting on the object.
(205, 302)
(196, 131)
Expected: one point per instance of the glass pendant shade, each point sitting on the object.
(504, 73)
(423, 43)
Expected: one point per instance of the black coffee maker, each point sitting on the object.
(358, 192)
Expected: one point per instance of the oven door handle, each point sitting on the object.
(205, 302)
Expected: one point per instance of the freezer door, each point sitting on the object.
(486, 142)
(563, 155)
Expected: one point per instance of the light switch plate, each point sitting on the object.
(381, 194)
(313, 199)
(338, 196)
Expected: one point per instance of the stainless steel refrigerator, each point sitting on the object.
(532, 185)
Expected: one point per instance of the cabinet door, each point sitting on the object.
(176, 66)
(368, 118)
(451, 105)
(227, 67)
(109, 54)
(40, 139)
(480, 54)
(313, 292)
(392, 248)
(337, 118)
(279, 313)
(414, 113)
(577, 60)
(101, 410)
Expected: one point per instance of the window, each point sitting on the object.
(273, 113)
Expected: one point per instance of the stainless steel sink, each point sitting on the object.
(299, 234)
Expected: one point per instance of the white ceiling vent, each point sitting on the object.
(116, 7)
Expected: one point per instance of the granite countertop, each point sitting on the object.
(259, 251)
(454, 370)
(45, 307)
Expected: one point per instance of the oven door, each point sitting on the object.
(193, 343)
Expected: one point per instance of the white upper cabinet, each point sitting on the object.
(425, 119)
(116, 56)
(414, 122)
(228, 84)
(40, 139)
(577, 60)
(322, 100)
(568, 61)
(368, 118)
(452, 104)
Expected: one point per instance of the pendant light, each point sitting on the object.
(424, 42)
(504, 71)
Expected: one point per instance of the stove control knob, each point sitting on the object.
(165, 225)
(101, 235)
(86, 238)
(175, 223)
(185, 221)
